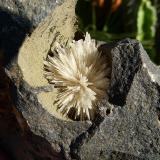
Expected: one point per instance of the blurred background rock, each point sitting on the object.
(34, 10)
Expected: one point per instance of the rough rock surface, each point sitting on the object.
(17, 142)
(128, 124)
(16, 139)
(131, 127)
(34, 10)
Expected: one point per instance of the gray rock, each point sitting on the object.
(133, 125)
(128, 123)
(13, 30)
(34, 10)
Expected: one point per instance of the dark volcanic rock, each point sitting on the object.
(16, 140)
(133, 125)
(128, 124)
(34, 10)
(13, 30)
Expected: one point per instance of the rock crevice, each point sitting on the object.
(127, 124)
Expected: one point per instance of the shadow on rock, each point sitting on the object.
(13, 30)
(16, 140)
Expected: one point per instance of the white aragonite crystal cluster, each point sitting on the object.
(80, 73)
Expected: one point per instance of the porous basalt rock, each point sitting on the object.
(33, 87)
(132, 126)
(128, 123)
(126, 130)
